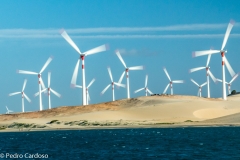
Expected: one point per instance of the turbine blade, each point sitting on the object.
(56, 93)
(136, 68)
(121, 59)
(211, 75)
(178, 81)
(69, 40)
(119, 84)
(46, 64)
(203, 84)
(28, 99)
(96, 50)
(194, 82)
(121, 78)
(93, 80)
(234, 78)
(26, 72)
(11, 94)
(105, 89)
(196, 69)
(208, 60)
(110, 73)
(75, 73)
(229, 28)
(42, 83)
(206, 52)
(78, 86)
(230, 70)
(219, 80)
(36, 94)
(49, 79)
(149, 91)
(24, 84)
(138, 90)
(165, 70)
(146, 80)
(166, 89)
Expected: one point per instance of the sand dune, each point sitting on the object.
(154, 109)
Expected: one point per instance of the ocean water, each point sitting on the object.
(154, 143)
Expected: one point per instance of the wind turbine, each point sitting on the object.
(82, 57)
(229, 83)
(224, 59)
(40, 81)
(49, 90)
(171, 82)
(146, 88)
(200, 87)
(126, 71)
(112, 83)
(8, 111)
(87, 88)
(208, 72)
(23, 94)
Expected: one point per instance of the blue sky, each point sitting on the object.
(155, 34)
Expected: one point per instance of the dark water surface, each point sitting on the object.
(156, 143)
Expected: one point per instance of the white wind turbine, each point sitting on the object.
(40, 81)
(8, 111)
(200, 87)
(171, 82)
(82, 56)
(112, 83)
(23, 94)
(87, 88)
(224, 59)
(208, 72)
(146, 88)
(126, 71)
(49, 90)
(229, 83)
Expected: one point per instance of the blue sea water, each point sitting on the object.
(154, 143)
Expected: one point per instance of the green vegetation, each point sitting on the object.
(188, 121)
(164, 123)
(25, 125)
(233, 92)
(53, 121)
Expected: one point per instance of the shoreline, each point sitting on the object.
(180, 125)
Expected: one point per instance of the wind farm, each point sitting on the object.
(157, 97)
(126, 55)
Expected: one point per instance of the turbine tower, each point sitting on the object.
(49, 90)
(199, 87)
(229, 83)
(224, 59)
(146, 88)
(208, 73)
(87, 88)
(82, 57)
(126, 71)
(40, 81)
(23, 94)
(112, 83)
(171, 82)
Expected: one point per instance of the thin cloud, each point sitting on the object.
(155, 36)
(118, 32)
(176, 36)
(149, 29)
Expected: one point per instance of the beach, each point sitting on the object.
(142, 112)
